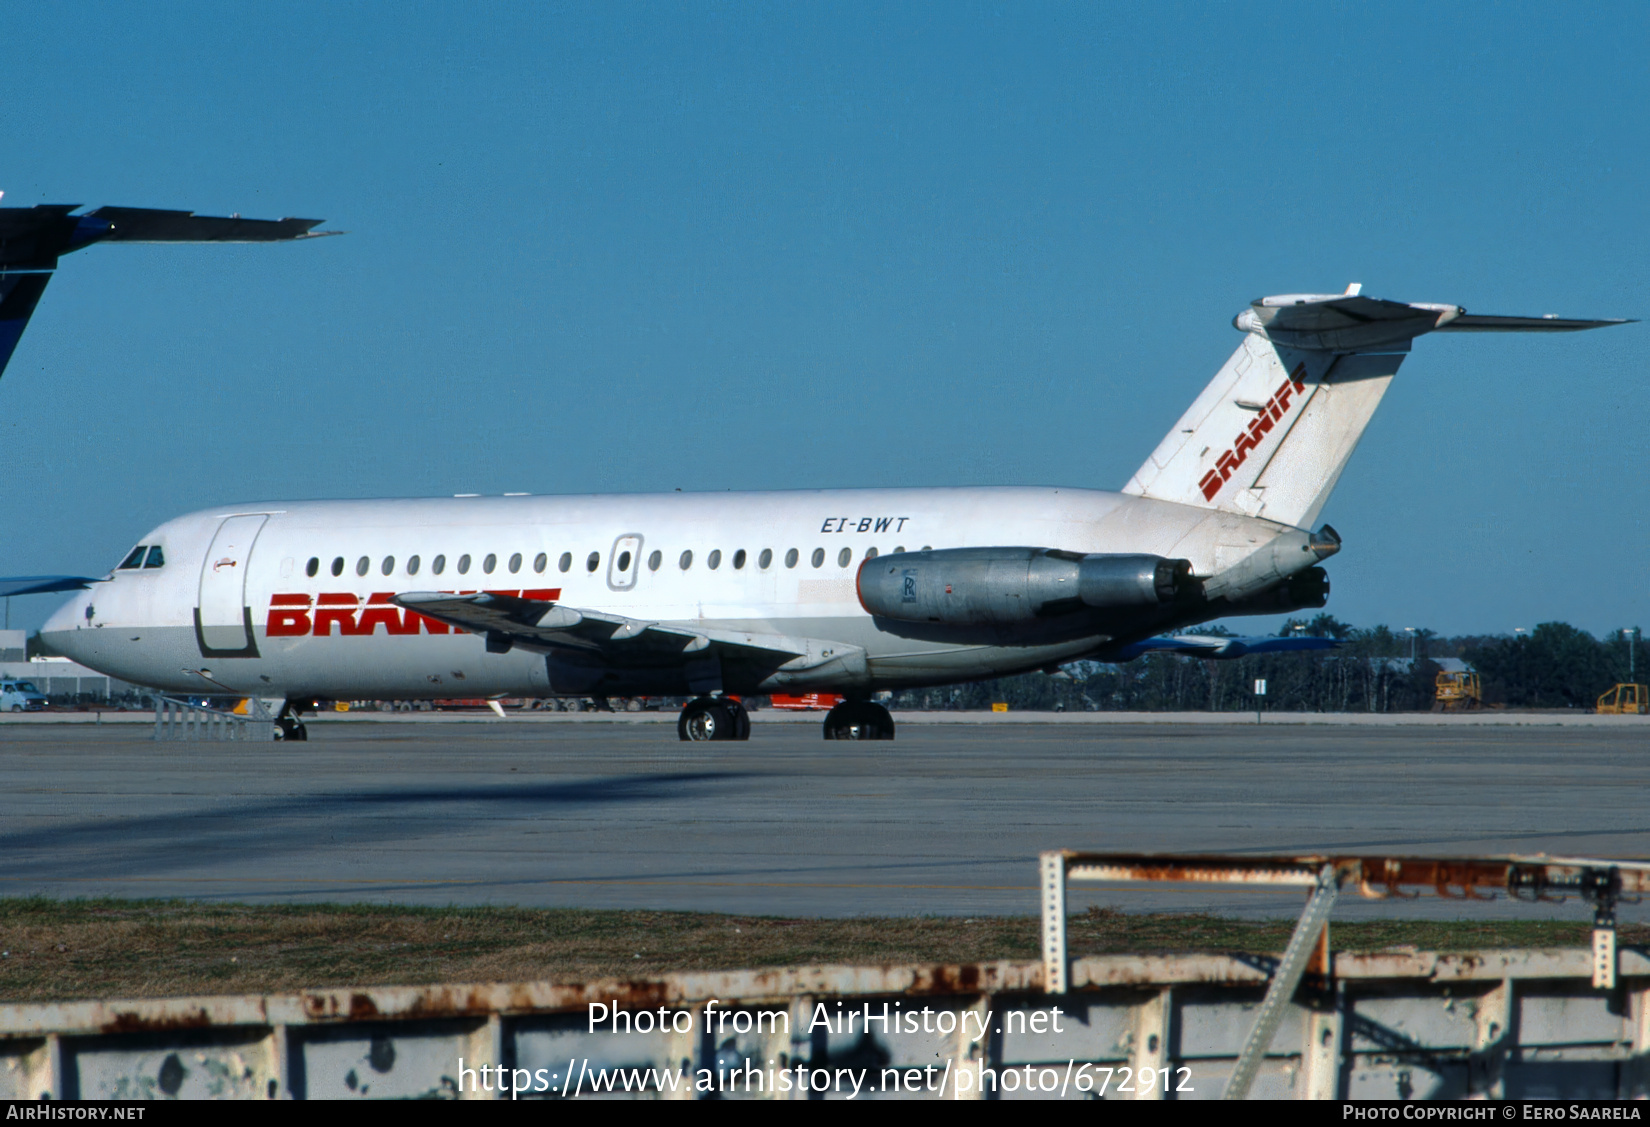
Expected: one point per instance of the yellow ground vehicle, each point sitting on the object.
(1625, 700)
(1457, 692)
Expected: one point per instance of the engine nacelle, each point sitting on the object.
(1305, 590)
(1005, 586)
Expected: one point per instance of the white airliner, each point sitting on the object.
(718, 595)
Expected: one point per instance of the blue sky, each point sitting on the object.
(616, 248)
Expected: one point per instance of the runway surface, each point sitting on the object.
(946, 820)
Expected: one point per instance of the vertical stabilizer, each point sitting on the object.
(1271, 434)
(19, 294)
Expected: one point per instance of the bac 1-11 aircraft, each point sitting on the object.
(719, 595)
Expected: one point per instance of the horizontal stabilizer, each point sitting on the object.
(1351, 322)
(42, 584)
(1488, 323)
(32, 239)
(150, 225)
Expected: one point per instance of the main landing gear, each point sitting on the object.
(714, 718)
(859, 720)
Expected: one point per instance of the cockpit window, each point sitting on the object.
(135, 559)
(156, 558)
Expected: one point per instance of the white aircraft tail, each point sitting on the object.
(1272, 432)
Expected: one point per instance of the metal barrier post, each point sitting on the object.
(180, 720)
(1285, 979)
(1603, 890)
(1055, 966)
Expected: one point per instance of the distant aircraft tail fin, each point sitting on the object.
(32, 239)
(1272, 432)
(19, 294)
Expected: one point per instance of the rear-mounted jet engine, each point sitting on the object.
(1009, 586)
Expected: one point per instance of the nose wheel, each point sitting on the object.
(288, 727)
(714, 718)
(859, 720)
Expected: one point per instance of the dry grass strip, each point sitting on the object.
(66, 949)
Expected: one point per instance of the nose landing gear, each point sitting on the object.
(288, 727)
(714, 718)
(859, 720)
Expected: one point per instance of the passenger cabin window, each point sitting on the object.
(515, 563)
(844, 556)
(870, 553)
(134, 560)
(464, 564)
(624, 561)
(565, 562)
(791, 558)
(765, 560)
(363, 565)
(388, 565)
(686, 561)
(655, 560)
(739, 560)
(714, 560)
(412, 565)
(593, 562)
(156, 558)
(540, 562)
(438, 565)
(338, 565)
(488, 564)
(313, 567)
(818, 559)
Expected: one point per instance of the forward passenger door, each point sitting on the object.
(223, 621)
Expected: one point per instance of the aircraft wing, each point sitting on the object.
(508, 621)
(1217, 646)
(42, 584)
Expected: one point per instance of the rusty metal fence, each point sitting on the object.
(1395, 1024)
(1599, 884)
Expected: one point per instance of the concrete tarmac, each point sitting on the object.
(948, 819)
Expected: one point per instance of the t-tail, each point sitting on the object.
(32, 239)
(1272, 432)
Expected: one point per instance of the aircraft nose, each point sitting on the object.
(60, 629)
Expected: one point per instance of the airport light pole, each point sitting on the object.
(1632, 636)
(1413, 633)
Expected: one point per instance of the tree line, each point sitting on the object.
(1556, 665)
